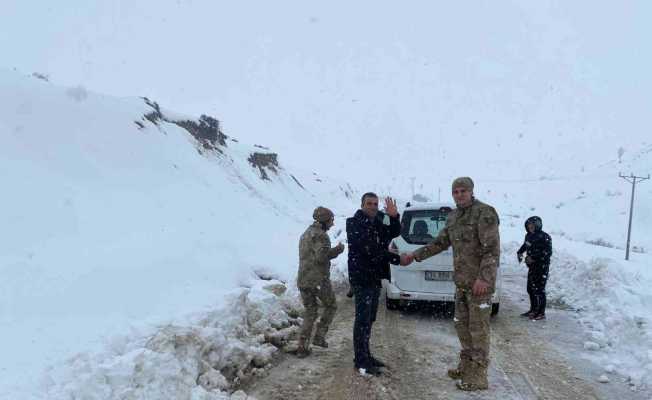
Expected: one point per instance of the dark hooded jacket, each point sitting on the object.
(537, 245)
(369, 256)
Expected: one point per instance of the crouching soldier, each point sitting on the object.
(537, 247)
(314, 279)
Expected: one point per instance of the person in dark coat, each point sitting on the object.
(369, 233)
(537, 248)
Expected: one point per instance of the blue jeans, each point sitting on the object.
(366, 307)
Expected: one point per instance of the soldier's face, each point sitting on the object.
(370, 206)
(530, 227)
(462, 196)
(330, 223)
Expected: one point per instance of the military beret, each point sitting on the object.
(464, 182)
(322, 214)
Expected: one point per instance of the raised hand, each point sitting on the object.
(390, 207)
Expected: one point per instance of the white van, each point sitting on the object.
(432, 279)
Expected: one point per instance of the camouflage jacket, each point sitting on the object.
(315, 253)
(473, 234)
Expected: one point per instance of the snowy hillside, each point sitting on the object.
(516, 89)
(120, 214)
(136, 231)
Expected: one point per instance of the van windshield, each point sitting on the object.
(422, 226)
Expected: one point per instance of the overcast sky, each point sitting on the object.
(383, 90)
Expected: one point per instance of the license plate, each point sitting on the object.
(439, 276)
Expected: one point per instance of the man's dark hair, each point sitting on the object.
(368, 195)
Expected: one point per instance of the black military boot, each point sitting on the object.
(369, 370)
(377, 363)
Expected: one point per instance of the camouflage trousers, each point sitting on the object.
(311, 297)
(472, 314)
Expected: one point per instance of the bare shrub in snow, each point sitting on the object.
(40, 76)
(600, 242)
(613, 193)
(78, 93)
(639, 249)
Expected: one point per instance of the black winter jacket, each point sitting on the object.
(368, 241)
(538, 245)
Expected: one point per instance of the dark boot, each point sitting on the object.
(459, 372)
(475, 378)
(377, 363)
(369, 370)
(537, 317)
(320, 341)
(303, 349)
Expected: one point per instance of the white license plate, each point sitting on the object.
(439, 275)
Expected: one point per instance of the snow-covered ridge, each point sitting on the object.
(120, 215)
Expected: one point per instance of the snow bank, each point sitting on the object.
(613, 301)
(207, 358)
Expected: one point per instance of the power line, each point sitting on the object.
(545, 179)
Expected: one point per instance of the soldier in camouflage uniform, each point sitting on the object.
(314, 280)
(472, 231)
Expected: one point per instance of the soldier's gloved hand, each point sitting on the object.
(529, 260)
(339, 247)
(520, 257)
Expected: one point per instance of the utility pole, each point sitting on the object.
(412, 179)
(631, 179)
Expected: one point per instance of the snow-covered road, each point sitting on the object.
(530, 360)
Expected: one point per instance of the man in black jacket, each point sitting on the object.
(538, 249)
(369, 232)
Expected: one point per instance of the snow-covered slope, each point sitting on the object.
(589, 206)
(515, 89)
(117, 213)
